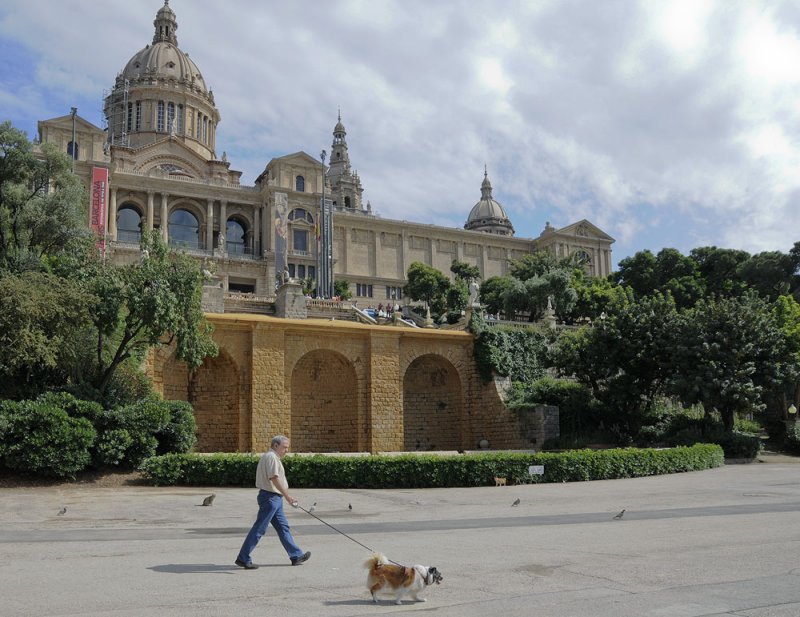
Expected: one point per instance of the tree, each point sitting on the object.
(41, 203)
(595, 296)
(341, 288)
(150, 304)
(625, 358)
(464, 271)
(729, 351)
(428, 284)
(531, 295)
(718, 269)
(668, 271)
(43, 323)
(492, 290)
(771, 273)
(786, 311)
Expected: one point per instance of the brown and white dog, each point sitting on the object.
(387, 577)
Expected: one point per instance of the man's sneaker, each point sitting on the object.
(296, 561)
(246, 565)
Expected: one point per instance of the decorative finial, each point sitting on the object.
(340, 114)
(485, 171)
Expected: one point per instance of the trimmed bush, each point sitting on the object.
(179, 435)
(38, 437)
(792, 442)
(432, 471)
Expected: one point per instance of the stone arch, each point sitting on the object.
(432, 404)
(150, 165)
(324, 391)
(214, 393)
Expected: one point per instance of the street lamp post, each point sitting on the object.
(73, 112)
(320, 232)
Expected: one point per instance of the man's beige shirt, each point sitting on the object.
(270, 465)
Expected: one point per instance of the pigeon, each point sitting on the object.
(62, 511)
(208, 501)
(516, 502)
(313, 507)
(349, 506)
(619, 516)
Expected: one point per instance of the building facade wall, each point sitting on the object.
(339, 387)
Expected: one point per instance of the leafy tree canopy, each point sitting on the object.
(41, 203)
(429, 285)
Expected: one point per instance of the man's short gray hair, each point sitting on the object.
(278, 440)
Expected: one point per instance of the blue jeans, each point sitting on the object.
(270, 509)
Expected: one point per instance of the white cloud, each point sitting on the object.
(617, 112)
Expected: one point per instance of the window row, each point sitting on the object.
(170, 118)
(184, 230)
(302, 271)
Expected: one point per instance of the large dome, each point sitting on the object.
(488, 215)
(161, 93)
(163, 60)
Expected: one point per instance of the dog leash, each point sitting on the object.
(345, 535)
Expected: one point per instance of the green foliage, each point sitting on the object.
(492, 291)
(39, 438)
(730, 350)
(595, 296)
(309, 286)
(518, 353)
(428, 284)
(624, 359)
(341, 288)
(432, 471)
(42, 318)
(464, 271)
(577, 407)
(179, 434)
(41, 203)
(151, 304)
(792, 442)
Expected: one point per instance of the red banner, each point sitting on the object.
(97, 205)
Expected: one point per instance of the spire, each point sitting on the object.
(486, 186)
(166, 24)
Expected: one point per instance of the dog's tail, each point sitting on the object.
(375, 560)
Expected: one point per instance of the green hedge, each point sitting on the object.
(432, 471)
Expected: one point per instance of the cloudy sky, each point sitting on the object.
(665, 122)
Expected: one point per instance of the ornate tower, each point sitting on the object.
(346, 186)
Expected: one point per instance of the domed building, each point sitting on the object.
(164, 171)
(488, 215)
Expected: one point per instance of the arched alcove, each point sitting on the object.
(432, 405)
(324, 403)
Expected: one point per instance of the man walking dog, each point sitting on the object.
(273, 488)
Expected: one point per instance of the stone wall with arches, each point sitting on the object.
(339, 387)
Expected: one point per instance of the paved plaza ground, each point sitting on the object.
(719, 542)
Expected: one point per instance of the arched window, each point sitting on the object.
(184, 229)
(171, 117)
(300, 214)
(235, 232)
(347, 202)
(72, 150)
(129, 225)
(300, 184)
(180, 119)
(129, 119)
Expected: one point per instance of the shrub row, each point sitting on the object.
(58, 435)
(792, 442)
(432, 471)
